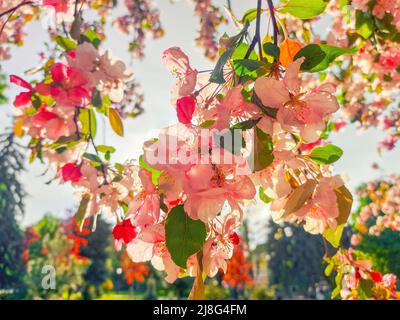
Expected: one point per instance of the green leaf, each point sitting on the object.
(329, 268)
(241, 50)
(208, 123)
(343, 3)
(116, 122)
(183, 236)
(364, 24)
(263, 197)
(263, 148)
(246, 125)
(319, 56)
(325, 155)
(338, 288)
(249, 15)
(155, 174)
(304, 9)
(92, 157)
(82, 209)
(66, 43)
(299, 197)
(334, 236)
(217, 75)
(344, 201)
(96, 98)
(272, 50)
(87, 118)
(91, 36)
(104, 149)
(365, 288)
(247, 67)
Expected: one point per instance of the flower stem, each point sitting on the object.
(257, 37)
(275, 25)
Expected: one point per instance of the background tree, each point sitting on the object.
(295, 260)
(96, 251)
(11, 207)
(49, 244)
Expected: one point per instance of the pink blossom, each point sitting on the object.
(144, 209)
(70, 172)
(204, 201)
(23, 99)
(177, 62)
(47, 123)
(298, 113)
(68, 86)
(149, 245)
(185, 107)
(123, 233)
(58, 5)
(319, 212)
(219, 248)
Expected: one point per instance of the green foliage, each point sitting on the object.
(96, 251)
(249, 15)
(364, 24)
(217, 75)
(184, 236)
(318, 57)
(384, 251)
(155, 174)
(50, 246)
(263, 197)
(263, 148)
(304, 9)
(272, 50)
(295, 260)
(66, 43)
(3, 87)
(325, 155)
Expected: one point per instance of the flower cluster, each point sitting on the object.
(251, 124)
(142, 18)
(369, 81)
(380, 9)
(210, 19)
(379, 208)
(12, 32)
(356, 280)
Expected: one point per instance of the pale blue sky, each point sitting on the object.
(180, 27)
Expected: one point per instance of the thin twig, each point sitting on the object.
(10, 13)
(257, 37)
(11, 10)
(275, 25)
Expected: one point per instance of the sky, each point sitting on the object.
(180, 26)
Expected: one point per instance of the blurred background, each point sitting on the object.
(271, 261)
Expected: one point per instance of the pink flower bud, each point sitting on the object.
(185, 107)
(71, 172)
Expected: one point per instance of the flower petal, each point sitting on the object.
(272, 93)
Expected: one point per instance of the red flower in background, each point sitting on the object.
(133, 271)
(238, 274)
